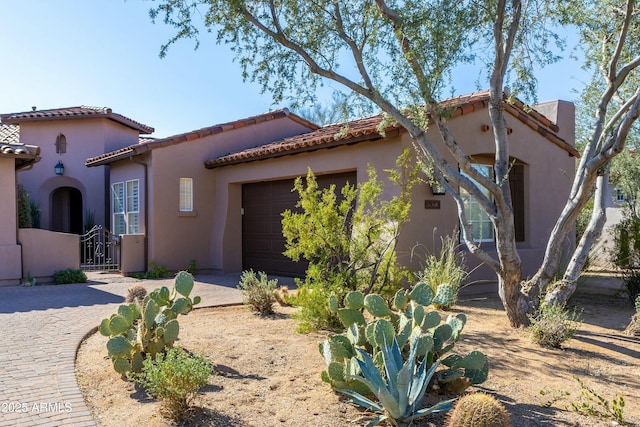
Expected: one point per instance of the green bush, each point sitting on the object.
(349, 236)
(157, 271)
(70, 275)
(446, 269)
(314, 313)
(553, 324)
(175, 379)
(633, 328)
(24, 209)
(258, 292)
(626, 250)
(631, 280)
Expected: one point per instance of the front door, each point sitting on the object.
(66, 210)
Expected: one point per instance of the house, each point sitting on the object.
(13, 157)
(69, 195)
(164, 202)
(216, 197)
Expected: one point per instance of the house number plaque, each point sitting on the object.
(432, 204)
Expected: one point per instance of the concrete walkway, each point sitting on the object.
(40, 330)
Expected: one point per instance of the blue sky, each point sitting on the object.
(62, 53)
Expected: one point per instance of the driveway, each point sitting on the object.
(40, 330)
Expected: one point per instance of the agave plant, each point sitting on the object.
(401, 392)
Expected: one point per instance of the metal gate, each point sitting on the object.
(99, 250)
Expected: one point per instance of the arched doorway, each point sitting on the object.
(66, 210)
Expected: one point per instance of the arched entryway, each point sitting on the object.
(66, 210)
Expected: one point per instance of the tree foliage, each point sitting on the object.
(399, 55)
(24, 209)
(349, 241)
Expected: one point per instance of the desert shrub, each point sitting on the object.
(590, 403)
(24, 209)
(191, 268)
(70, 275)
(553, 324)
(135, 292)
(282, 296)
(175, 379)
(258, 291)
(444, 273)
(314, 313)
(631, 281)
(478, 410)
(349, 236)
(157, 271)
(140, 330)
(634, 325)
(626, 248)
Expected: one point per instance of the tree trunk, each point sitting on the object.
(561, 291)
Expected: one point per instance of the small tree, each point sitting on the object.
(350, 244)
(24, 208)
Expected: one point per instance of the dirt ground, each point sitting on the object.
(268, 375)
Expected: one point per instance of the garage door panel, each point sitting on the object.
(262, 239)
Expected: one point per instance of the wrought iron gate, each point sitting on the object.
(99, 250)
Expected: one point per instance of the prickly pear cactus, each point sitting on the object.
(411, 319)
(478, 410)
(149, 326)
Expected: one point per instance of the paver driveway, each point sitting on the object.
(40, 330)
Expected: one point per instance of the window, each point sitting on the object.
(126, 207)
(479, 220)
(61, 144)
(117, 203)
(619, 195)
(186, 194)
(481, 225)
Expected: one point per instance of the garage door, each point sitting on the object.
(262, 240)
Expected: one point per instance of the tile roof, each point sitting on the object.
(82, 112)
(366, 129)
(150, 144)
(25, 155)
(9, 133)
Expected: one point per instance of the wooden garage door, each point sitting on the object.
(262, 240)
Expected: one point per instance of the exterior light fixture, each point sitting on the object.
(437, 189)
(59, 168)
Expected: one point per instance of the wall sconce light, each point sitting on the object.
(437, 189)
(59, 168)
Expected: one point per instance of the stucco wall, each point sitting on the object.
(85, 138)
(548, 175)
(10, 257)
(45, 252)
(132, 256)
(176, 238)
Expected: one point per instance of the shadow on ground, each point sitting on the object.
(17, 299)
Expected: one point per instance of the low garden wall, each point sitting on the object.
(45, 252)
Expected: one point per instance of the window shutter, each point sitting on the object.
(516, 183)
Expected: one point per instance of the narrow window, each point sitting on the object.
(61, 144)
(133, 207)
(117, 203)
(619, 195)
(478, 219)
(516, 184)
(125, 207)
(186, 194)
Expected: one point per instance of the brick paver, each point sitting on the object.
(40, 330)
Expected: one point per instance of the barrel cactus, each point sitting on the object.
(478, 410)
(410, 321)
(149, 326)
